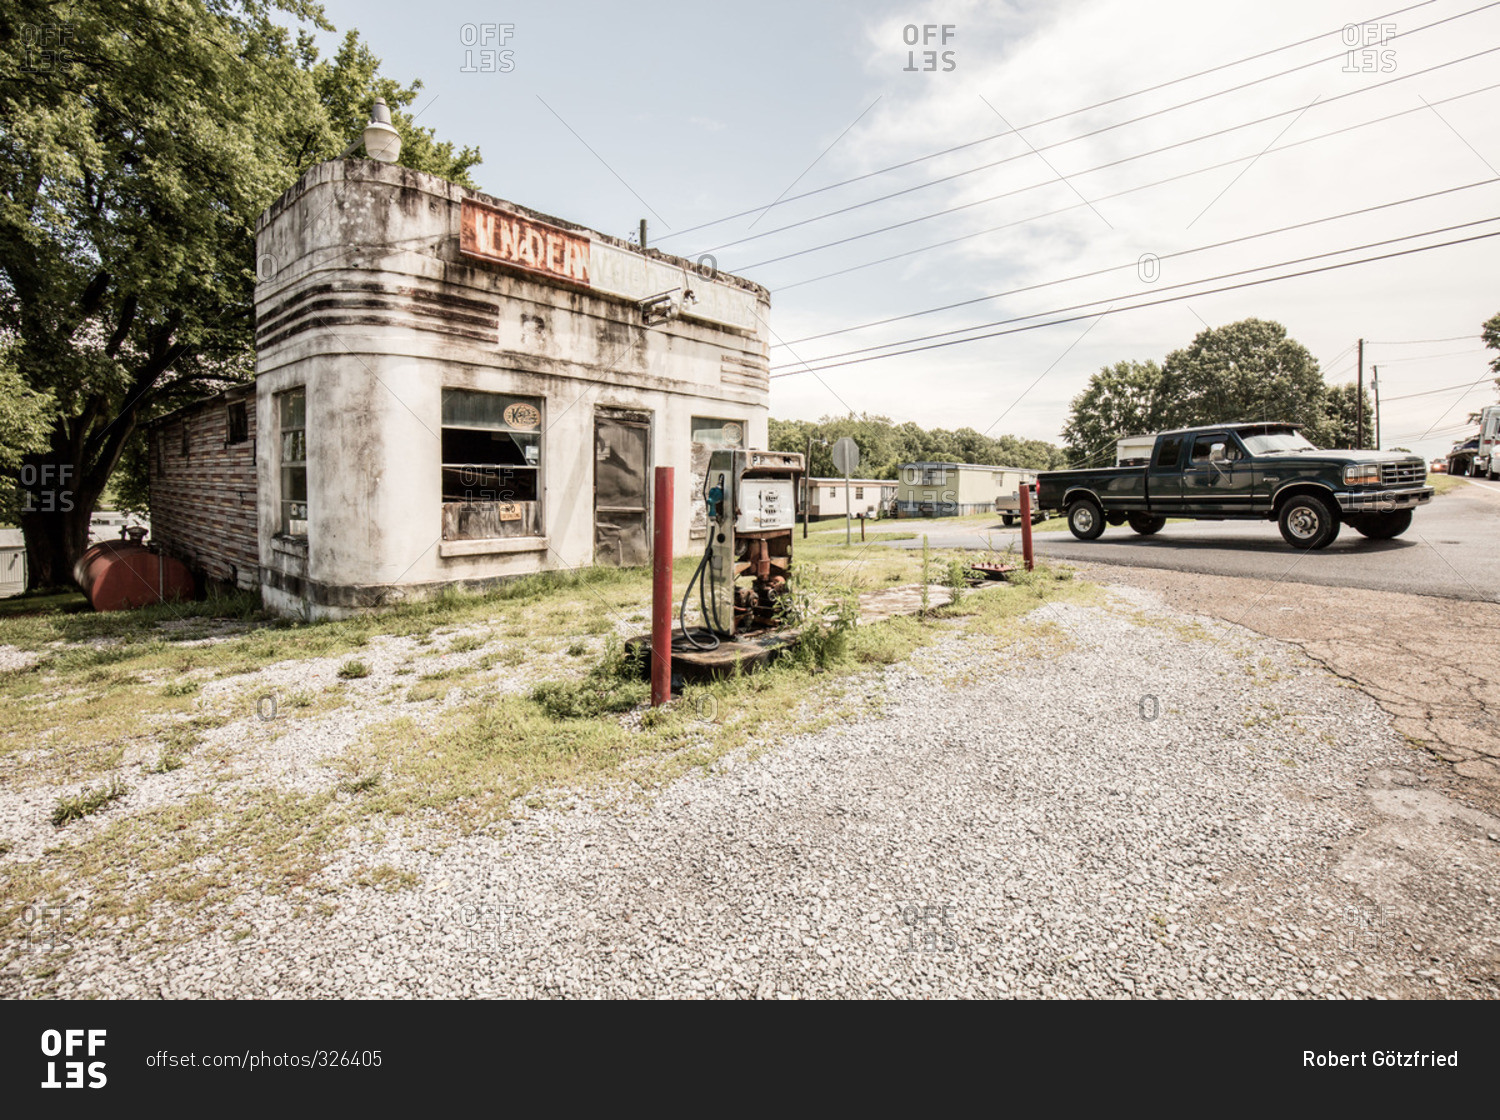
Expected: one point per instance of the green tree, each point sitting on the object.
(884, 445)
(138, 143)
(25, 417)
(1490, 332)
(1339, 426)
(1248, 370)
(1124, 399)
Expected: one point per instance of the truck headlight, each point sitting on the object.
(1362, 475)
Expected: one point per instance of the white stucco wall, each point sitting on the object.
(366, 302)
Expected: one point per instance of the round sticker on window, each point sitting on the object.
(732, 433)
(522, 415)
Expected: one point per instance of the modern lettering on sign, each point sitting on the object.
(506, 238)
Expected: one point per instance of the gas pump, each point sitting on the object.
(751, 499)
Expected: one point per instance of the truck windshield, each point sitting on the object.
(1268, 443)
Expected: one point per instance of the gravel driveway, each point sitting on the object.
(1142, 805)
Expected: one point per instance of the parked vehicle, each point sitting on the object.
(1008, 506)
(1461, 458)
(1134, 451)
(1266, 472)
(1486, 462)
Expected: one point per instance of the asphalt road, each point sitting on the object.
(1452, 549)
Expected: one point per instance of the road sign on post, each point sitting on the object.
(846, 460)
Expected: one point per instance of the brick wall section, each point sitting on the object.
(203, 505)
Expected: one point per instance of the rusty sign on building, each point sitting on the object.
(505, 238)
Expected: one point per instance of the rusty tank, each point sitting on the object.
(119, 575)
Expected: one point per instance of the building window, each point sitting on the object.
(832, 492)
(238, 422)
(859, 492)
(292, 410)
(491, 465)
(718, 433)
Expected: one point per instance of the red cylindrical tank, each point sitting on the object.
(118, 575)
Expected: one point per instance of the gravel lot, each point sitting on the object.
(1146, 805)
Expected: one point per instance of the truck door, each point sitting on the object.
(1217, 478)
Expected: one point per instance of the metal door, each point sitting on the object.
(1222, 485)
(622, 507)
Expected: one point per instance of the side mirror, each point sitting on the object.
(1216, 453)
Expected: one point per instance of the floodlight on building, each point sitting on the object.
(380, 139)
(660, 307)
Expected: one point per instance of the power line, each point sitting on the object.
(1427, 357)
(1139, 306)
(1058, 117)
(1430, 392)
(1136, 264)
(1423, 341)
(1167, 288)
(1086, 135)
(1102, 198)
(1077, 205)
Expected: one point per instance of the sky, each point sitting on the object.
(1073, 160)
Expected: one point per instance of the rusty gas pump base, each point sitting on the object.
(693, 666)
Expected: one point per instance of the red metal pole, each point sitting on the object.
(661, 589)
(1026, 523)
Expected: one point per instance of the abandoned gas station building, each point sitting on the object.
(452, 390)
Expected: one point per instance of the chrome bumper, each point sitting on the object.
(1383, 501)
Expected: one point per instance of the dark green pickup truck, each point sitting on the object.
(1264, 472)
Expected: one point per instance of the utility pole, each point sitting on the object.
(1375, 377)
(1359, 404)
(643, 233)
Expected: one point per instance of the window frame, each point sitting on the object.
(284, 466)
(535, 515)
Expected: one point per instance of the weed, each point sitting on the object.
(957, 581)
(427, 690)
(578, 649)
(86, 801)
(360, 783)
(386, 878)
(926, 576)
(353, 670)
(466, 643)
(180, 688)
(167, 761)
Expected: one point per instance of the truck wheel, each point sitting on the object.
(1383, 526)
(1308, 522)
(1007, 519)
(1145, 524)
(1086, 519)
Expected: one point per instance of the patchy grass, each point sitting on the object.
(353, 670)
(1444, 483)
(121, 687)
(81, 804)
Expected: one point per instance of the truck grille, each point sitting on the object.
(1402, 474)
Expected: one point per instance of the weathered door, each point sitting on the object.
(622, 508)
